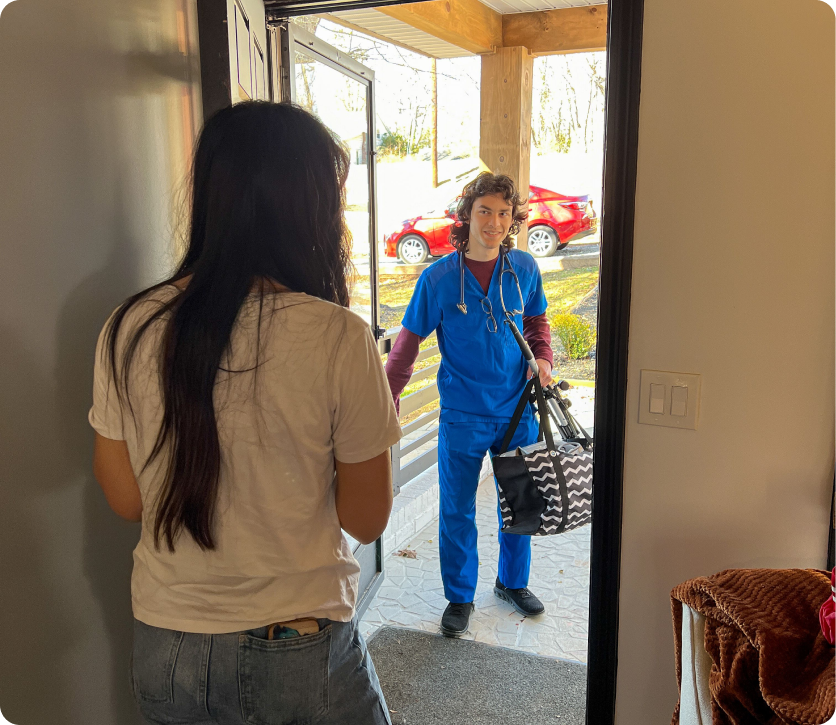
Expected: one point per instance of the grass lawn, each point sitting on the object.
(564, 290)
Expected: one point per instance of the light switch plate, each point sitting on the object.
(669, 380)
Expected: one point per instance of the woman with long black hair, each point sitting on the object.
(243, 416)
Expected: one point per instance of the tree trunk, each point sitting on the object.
(435, 125)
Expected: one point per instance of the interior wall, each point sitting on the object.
(97, 118)
(733, 279)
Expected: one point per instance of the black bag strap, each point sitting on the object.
(542, 410)
(525, 399)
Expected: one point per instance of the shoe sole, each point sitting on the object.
(456, 632)
(453, 634)
(506, 598)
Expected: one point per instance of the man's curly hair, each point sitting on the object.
(483, 185)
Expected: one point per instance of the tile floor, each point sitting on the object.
(412, 594)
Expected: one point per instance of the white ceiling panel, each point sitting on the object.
(398, 32)
(506, 7)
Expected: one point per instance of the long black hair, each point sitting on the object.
(484, 184)
(267, 200)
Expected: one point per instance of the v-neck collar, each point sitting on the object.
(474, 283)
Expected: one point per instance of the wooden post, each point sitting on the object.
(435, 125)
(505, 118)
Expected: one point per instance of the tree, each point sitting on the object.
(412, 129)
(569, 98)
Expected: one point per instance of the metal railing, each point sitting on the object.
(419, 435)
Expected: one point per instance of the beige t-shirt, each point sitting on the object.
(319, 393)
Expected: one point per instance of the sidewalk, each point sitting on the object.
(412, 594)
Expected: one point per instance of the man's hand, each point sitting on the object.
(545, 372)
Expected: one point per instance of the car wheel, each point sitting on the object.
(412, 249)
(542, 241)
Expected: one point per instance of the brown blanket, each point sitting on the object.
(771, 663)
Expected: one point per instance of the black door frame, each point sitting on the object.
(624, 53)
(624, 56)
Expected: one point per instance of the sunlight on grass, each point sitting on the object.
(396, 290)
(564, 289)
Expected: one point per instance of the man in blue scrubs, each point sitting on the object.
(480, 380)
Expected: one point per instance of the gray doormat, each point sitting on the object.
(429, 679)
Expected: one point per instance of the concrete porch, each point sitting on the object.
(412, 594)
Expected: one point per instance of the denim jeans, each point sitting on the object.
(243, 678)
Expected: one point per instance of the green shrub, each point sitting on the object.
(576, 334)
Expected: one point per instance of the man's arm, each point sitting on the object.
(401, 363)
(538, 335)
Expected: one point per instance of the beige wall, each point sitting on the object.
(96, 121)
(733, 279)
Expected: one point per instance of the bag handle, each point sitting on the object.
(525, 398)
(543, 414)
(542, 410)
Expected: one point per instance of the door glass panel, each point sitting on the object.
(341, 104)
(242, 45)
(259, 76)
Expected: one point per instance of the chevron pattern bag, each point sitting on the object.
(543, 488)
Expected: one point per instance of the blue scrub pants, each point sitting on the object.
(462, 443)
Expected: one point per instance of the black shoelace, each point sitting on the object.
(458, 608)
(523, 593)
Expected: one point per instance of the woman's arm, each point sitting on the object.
(112, 469)
(364, 497)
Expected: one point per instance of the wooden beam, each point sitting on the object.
(505, 118)
(467, 24)
(572, 30)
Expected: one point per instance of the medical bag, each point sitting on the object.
(544, 488)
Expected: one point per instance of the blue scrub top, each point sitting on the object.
(482, 373)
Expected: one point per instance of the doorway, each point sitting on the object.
(625, 26)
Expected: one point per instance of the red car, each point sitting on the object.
(553, 220)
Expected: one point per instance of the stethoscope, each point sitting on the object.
(503, 269)
(574, 435)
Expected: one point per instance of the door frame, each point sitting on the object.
(623, 91)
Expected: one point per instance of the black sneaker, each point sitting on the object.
(455, 619)
(521, 599)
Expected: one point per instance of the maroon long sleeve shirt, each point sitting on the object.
(401, 360)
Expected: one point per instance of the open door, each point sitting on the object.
(340, 91)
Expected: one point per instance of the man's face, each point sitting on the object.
(490, 220)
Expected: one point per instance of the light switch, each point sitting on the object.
(669, 399)
(657, 399)
(679, 400)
